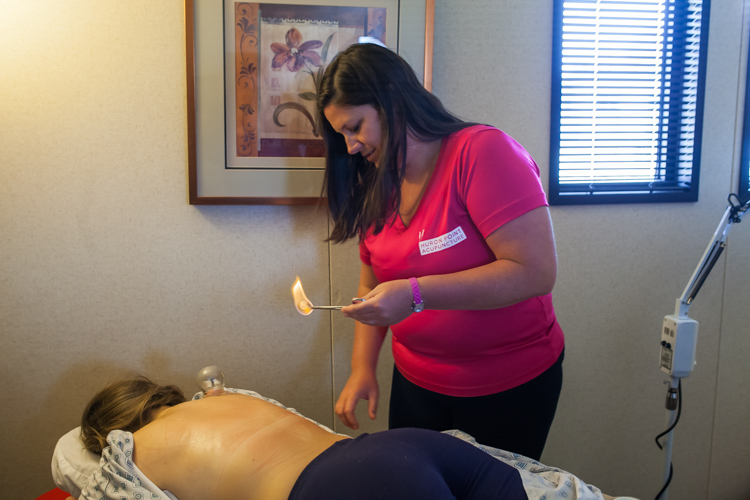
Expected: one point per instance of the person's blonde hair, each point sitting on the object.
(125, 405)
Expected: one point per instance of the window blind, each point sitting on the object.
(627, 97)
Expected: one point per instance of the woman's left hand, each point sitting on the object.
(387, 304)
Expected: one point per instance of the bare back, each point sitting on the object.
(228, 447)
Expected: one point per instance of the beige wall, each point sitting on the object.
(105, 269)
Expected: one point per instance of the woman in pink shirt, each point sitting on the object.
(458, 258)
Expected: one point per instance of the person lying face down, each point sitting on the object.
(235, 446)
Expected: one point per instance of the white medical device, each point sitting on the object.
(679, 333)
(679, 338)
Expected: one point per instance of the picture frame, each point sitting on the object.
(217, 175)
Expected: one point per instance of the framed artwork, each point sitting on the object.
(253, 70)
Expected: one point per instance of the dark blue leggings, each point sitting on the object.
(408, 464)
(516, 420)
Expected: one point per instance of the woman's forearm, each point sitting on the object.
(368, 340)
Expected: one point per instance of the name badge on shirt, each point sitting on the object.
(442, 242)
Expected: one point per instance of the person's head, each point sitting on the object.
(125, 405)
(372, 86)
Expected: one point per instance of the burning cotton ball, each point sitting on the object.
(301, 302)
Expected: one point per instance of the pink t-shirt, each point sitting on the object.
(482, 179)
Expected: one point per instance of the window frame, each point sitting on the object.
(743, 189)
(631, 192)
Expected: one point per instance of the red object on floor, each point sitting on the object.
(56, 494)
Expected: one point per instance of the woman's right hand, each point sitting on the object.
(362, 384)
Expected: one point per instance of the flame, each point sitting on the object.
(301, 302)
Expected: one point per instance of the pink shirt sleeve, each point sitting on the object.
(499, 180)
(364, 254)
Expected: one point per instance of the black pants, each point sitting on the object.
(407, 464)
(516, 420)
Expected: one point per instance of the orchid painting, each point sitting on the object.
(297, 55)
(279, 53)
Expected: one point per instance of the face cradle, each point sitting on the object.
(360, 126)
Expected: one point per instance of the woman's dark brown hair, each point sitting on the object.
(360, 195)
(125, 405)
